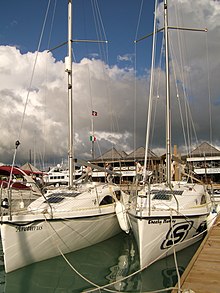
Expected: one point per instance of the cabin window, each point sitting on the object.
(106, 200)
(203, 199)
(117, 193)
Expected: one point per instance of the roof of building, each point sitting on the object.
(112, 155)
(205, 149)
(115, 155)
(30, 167)
(139, 153)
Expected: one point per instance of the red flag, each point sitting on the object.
(94, 113)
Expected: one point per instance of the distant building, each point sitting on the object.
(205, 162)
(123, 163)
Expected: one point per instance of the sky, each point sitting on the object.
(111, 78)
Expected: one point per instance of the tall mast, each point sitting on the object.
(93, 140)
(70, 96)
(68, 63)
(168, 110)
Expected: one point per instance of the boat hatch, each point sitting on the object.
(58, 197)
(165, 194)
(54, 199)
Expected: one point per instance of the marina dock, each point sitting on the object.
(202, 275)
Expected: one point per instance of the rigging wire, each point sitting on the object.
(103, 54)
(151, 92)
(43, 153)
(209, 90)
(189, 130)
(157, 90)
(29, 89)
(177, 93)
(100, 25)
(181, 49)
(135, 81)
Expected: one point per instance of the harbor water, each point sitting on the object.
(88, 270)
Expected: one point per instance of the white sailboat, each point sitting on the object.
(172, 215)
(63, 220)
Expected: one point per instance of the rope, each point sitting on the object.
(64, 257)
(150, 94)
(105, 287)
(67, 261)
(140, 270)
(174, 252)
(135, 81)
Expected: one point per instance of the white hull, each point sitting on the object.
(154, 236)
(166, 218)
(67, 224)
(31, 242)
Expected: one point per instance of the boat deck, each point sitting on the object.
(203, 272)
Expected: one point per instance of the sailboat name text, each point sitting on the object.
(28, 228)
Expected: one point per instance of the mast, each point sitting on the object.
(93, 140)
(168, 110)
(70, 96)
(68, 63)
(150, 99)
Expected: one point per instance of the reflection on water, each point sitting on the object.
(98, 265)
(127, 264)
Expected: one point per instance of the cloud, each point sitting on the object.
(42, 129)
(196, 66)
(126, 58)
(120, 99)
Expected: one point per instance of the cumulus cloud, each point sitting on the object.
(36, 112)
(120, 98)
(194, 70)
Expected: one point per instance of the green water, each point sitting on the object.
(97, 265)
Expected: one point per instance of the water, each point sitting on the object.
(100, 264)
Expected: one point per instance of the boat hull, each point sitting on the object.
(26, 242)
(157, 236)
